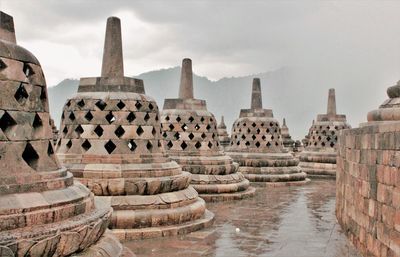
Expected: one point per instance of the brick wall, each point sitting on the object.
(368, 188)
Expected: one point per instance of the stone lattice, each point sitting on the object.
(54, 131)
(319, 156)
(287, 140)
(256, 144)
(223, 136)
(368, 180)
(111, 141)
(191, 138)
(43, 211)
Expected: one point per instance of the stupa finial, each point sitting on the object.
(186, 86)
(7, 31)
(284, 122)
(113, 64)
(331, 102)
(256, 100)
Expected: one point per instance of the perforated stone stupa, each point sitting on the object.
(287, 140)
(319, 156)
(43, 211)
(256, 144)
(191, 138)
(111, 141)
(54, 131)
(223, 136)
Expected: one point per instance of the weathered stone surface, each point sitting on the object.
(287, 140)
(223, 136)
(319, 156)
(191, 138)
(42, 211)
(257, 146)
(110, 139)
(368, 181)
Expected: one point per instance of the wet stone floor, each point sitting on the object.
(277, 222)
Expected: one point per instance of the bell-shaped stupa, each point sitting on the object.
(319, 156)
(256, 144)
(43, 211)
(111, 141)
(223, 136)
(54, 130)
(287, 140)
(191, 138)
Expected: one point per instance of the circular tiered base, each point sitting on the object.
(270, 168)
(215, 178)
(318, 164)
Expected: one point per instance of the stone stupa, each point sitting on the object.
(368, 180)
(223, 136)
(54, 130)
(287, 140)
(43, 211)
(110, 139)
(319, 156)
(191, 138)
(256, 144)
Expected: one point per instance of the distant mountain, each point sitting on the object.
(282, 92)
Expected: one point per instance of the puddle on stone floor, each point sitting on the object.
(277, 222)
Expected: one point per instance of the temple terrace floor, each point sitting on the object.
(277, 222)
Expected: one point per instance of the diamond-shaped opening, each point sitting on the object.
(197, 145)
(177, 135)
(323, 132)
(315, 143)
(138, 105)
(276, 143)
(151, 106)
(203, 136)
(211, 120)
(72, 116)
(191, 119)
(263, 137)
(86, 145)
(110, 117)
(332, 132)
(89, 116)
(156, 117)
(99, 131)
(247, 143)
(131, 117)
(271, 124)
(197, 127)
(30, 156)
(323, 143)
(248, 130)
(149, 146)
(62, 116)
(81, 103)
(65, 130)
(191, 136)
(319, 138)
(243, 137)
(258, 131)
(257, 144)
(268, 144)
(170, 144)
(213, 135)
(2, 65)
(244, 124)
(254, 124)
(272, 137)
(146, 117)
(184, 145)
(43, 93)
(332, 144)
(171, 127)
(50, 150)
(276, 131)
(68, 104)
(202, 119)
(120, 105)
(328, 138)
(79, 130)
(267, 130)
(101, 105)
(110, 146)
(167, 118)
(238, 143)
(178, 119)
(132, 145)
(153, 131)
(262, 124)
(68, 144)
(209, 145)
(184, 127)
(7, 122)
(208, 127)
(336, 127)
(139, 130)
(21, 94)
(253, 137)
(316, 132)
(120, 131)
(165, 135)
(27, 69)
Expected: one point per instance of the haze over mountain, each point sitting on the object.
(282, 91)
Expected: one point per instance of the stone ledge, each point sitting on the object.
(249, 192)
